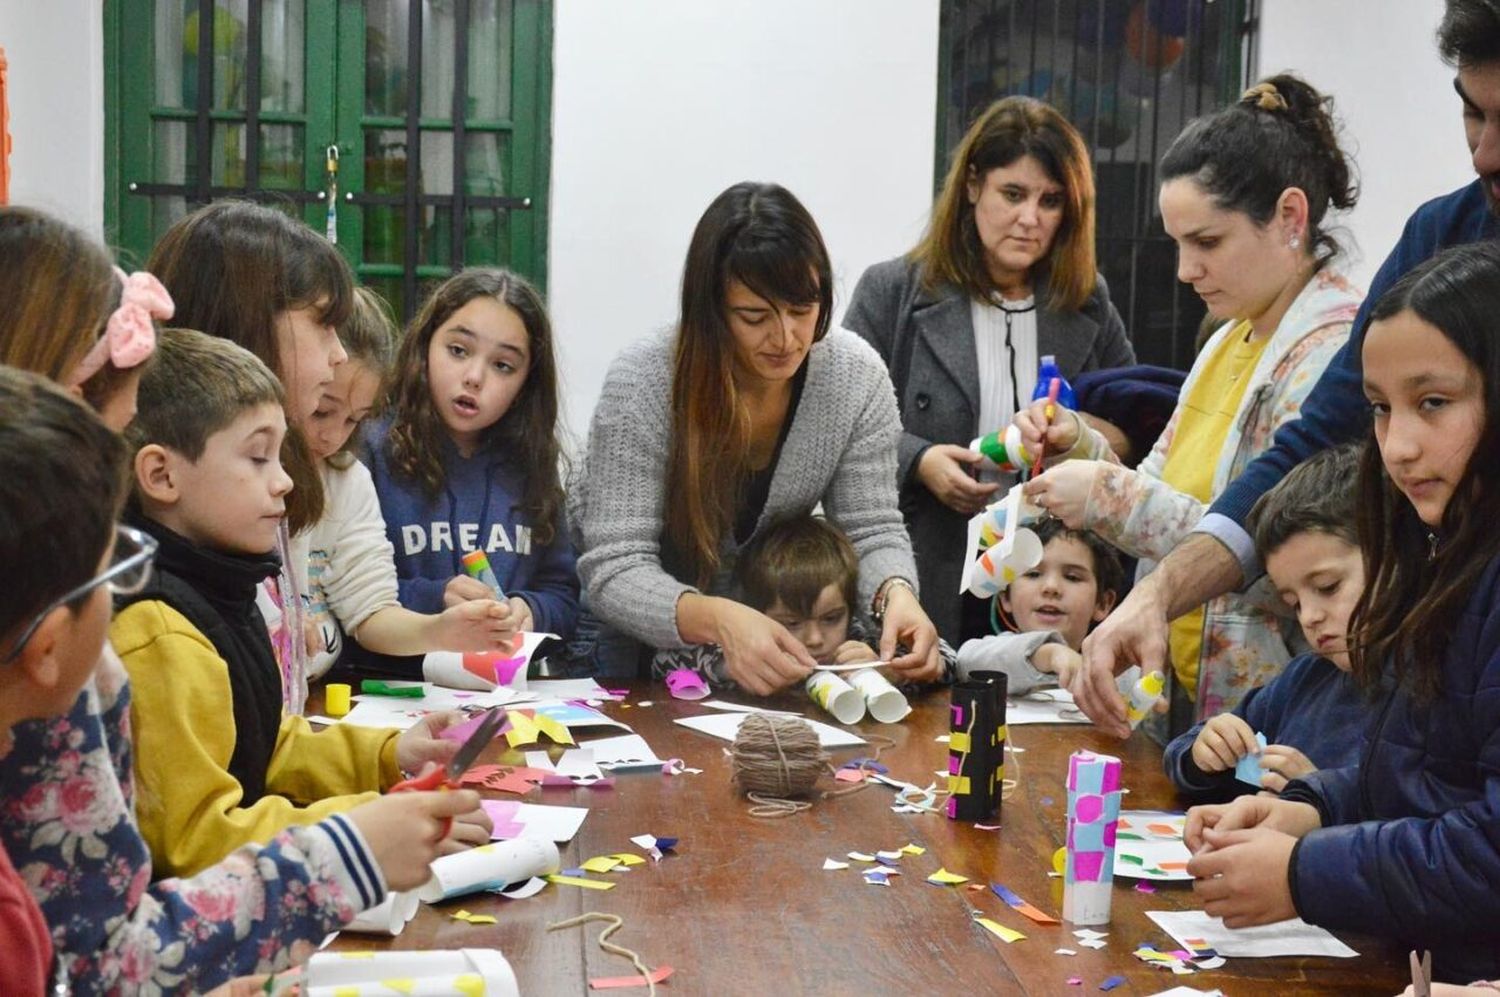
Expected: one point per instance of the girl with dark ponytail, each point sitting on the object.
(1246, 194)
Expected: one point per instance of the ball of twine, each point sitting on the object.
(776, 756)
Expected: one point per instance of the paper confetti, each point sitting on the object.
(601, 863)
(849, 775)
(1075, 981)
(658, 974)
(1021, 906)
(861, 857)
(892, 856)
(464, 915)
(1112, 982)
(1090, 934)
(1064, 952)
(945, 878)
(1000, 931)
(1144, 886)
(911, 849)
(588, 884)
(829, 865)
(986, 827)
(877, 877)
(1093, 943)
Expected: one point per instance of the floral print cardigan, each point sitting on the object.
(1247, 636)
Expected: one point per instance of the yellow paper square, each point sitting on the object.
(958, 741)
(1002, 733)
(600, 863)
(947, 878)
(958, 785)
(912, 849)
(588, 884)
(626, 858)
(522, 729)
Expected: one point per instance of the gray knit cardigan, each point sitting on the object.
(840, 450)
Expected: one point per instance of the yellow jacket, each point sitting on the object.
(188, 804)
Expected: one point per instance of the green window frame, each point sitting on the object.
(421, 191)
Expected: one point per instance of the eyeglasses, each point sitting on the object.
(128, 572)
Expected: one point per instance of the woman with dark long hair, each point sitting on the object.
(749, 411)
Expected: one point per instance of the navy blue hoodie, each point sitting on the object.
(479, 508)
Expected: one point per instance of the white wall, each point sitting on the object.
(1403, 121)
(56, 86)
(658, 105)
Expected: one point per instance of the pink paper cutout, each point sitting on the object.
(1109, 834)
(1089, 809)
(502, 815)
(850, 775)
(505, 670)
(684, 683)
(1087, 866)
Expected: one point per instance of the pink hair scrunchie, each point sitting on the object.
(129, 335)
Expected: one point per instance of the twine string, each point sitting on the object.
(615, 924)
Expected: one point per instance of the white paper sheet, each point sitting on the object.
(489, 867)
(549, 823)
(354, 974)
(719, 704)
(576, 763)
(1294, 937)
(727, 725)
(628, 751)
(1043, 706)
(1152, 849)
(561, 689)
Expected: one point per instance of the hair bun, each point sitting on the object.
(1264, 96)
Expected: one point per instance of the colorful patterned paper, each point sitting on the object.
(976, 747)
(1093, 786)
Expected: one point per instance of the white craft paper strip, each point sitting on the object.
(577, 763)
(388, 917)
(423, 974)
(971, 550)
(884, 700)
(628, 751)
(727, 725)
(548, 823)
(561, 689)
(719, 704)
(1284, 938)
(489, 867)
(1152, 849)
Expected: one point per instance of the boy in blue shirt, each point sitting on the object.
(1312, 714)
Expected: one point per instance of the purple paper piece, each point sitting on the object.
(953, 765)
(1087, 866)
(1088, 809)
(1144, 886)
(1112, 982)
(885, 861)
(958, 715)
(574, 872)
(1046, 801)
(1011, 899)
(459, 733)
(1109, 834)
(502, 816)
(506, 668)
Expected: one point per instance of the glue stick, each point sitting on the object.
(478, 566)
(1142, 695)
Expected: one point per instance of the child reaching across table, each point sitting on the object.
(1404, 843)
(1051, 608)
(209, 487)
(1313, 713)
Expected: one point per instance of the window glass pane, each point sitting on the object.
(165, 212)
(437, 163)
(169, 152)
(486, 234)
(229, 154)
(435, 239)
(437, 59)
(281, 150)
(385, 56)
(283, 29)
(484, 163)
(384, 240)
(176, 84)
(489, 60)
(230, 20)
(385, 161)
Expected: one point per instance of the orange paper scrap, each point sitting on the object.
(612, 982)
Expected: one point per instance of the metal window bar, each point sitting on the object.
(993, 48)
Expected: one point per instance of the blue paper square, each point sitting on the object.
(1090, 778)
(1249, 770)
(1088, 837)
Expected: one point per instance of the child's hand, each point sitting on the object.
(1222, 742)
(1295, 819)
(520, 612)
(477, 625)
(1283, 763)
(420, 744)
(469, 830)
(404, 830)
(1061, 429)
(1058, 659)
(1063, 491)
(462, 588)
(853, 652)
(1242, 876)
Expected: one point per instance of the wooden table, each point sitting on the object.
(744, 906)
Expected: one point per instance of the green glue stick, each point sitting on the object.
(1142, 696)
(478, 566)
(374, 687)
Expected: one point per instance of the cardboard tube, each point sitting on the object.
(885, 702)
(489, 867)
(388, 917)
(846, 703)
(422, 973)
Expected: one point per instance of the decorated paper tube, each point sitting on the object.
(482, 671)
(489, 867)
(389, 916)
(885, 702)
(976, 746)
(477, 564)
(420, 974)
(684, 683)
(1093, 815)
(846, 703)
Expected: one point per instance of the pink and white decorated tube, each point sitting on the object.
(1093, 816)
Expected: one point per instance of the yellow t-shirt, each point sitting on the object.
(1202, 426)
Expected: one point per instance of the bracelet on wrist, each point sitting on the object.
(883, 595)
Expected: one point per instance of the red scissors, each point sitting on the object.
(447, 776)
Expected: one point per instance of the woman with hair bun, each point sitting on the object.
(1245, 194)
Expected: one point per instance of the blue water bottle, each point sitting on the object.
(1065, 396)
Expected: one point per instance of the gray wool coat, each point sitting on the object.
(926, 338)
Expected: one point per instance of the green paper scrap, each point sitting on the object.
(1128, 836)
(1132, 859)
(374, 687)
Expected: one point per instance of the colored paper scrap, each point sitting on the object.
(601, 863)
(588, 884)
(849, 775)
(911, 849)
(658, 974)
(1090, 934)
(1075, 981)
(1093, 943)
(464, 915)
(1144, 886)
(1064, 952)
(684, 683)
(1000, 931)
(1248, 770)
(1112, 982)
(1021, 906)
(461, 732)
(1292, 937)
(894, 856)
(861, 857)
(945, 878)
(877, 877)
(502, 814)
(829, 865)
(626, 858)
